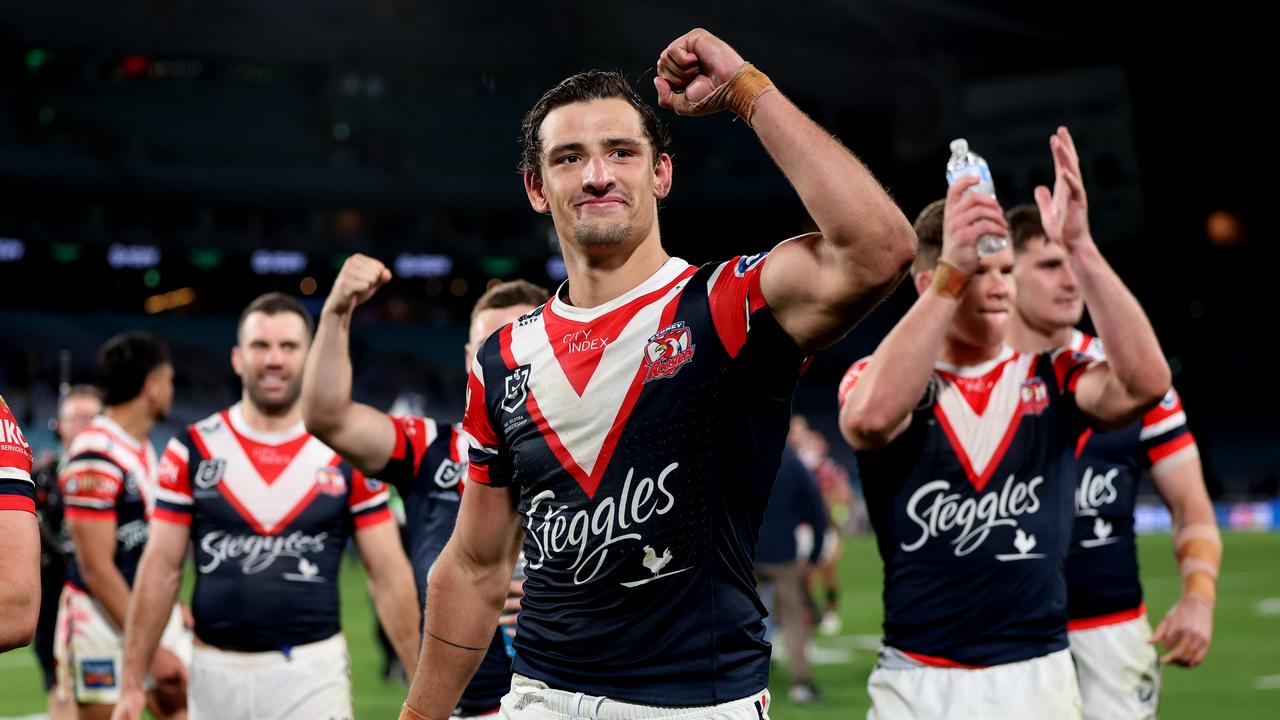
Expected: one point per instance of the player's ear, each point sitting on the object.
(922, 280)
(237, 362)
(533, 188)
(662, 176)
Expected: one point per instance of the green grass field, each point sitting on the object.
(1240, 679)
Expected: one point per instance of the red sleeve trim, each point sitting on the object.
(377, 517)
(79, 513)
(21, 503)
(1160, 452)
(172, 517)
(478, 473)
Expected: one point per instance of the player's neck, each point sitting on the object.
(134, 417)
(596, 278)
(962, 354)
(1028, 338)
(264, 422)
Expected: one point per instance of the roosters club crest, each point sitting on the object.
(1035, 396)
(330, 481)
(668, 351)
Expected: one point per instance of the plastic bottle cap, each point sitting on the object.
(959, 146)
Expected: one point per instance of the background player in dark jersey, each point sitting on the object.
(1108, 629)
(268, 511)
(425, 460)
(109, 485)
(975, 599)
(76, 410)
(645, 361)
(20, 560)
(791, 542)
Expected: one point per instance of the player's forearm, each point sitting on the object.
(155, 588)
(463, 604)
(899, 370)
(863, 226)
(395, 599)
(326, 383)
(1133, 351)
(107, 586)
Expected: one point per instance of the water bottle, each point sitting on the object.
(963, 163)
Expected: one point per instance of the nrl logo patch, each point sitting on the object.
(516, 389)
(668, 351)
(209, 473)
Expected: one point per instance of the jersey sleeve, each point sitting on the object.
(413, 436)
(91, 480)
(174, 500)
(1165, 435)
(1068, 366)
(488, 461)
(367, 499)
(734, 294)
(17, 490)
(850, 379)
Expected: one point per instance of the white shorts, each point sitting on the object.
(313, 682)
(1043, 687)
(1119, 670)
(88, 648)
(532, 700)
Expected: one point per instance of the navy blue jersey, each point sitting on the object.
(972, 508)
(269, 515)
(428, 467)
(110, 475)
(17, 491)
(1103, 586)
(642, 438)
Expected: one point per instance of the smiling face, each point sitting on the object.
(597, 176)
(269, 360)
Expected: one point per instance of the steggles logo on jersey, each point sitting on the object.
(516, 389)
(1035, 396)
(307, 572)
(210, 472)
(937, 511)
(256, 552)
(1101, 535)
(1024, 543)
(329, 480)
(587, 536)
(668, 351)
(1096, 490)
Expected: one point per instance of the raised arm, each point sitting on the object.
(878, 407)
(1135, 376)
(363, 435)
(819, 285)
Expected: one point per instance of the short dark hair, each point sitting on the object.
(274, 303)
(124, 363)
(585, 86)
(509, 294)
(1024, 225)
(928, 227)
